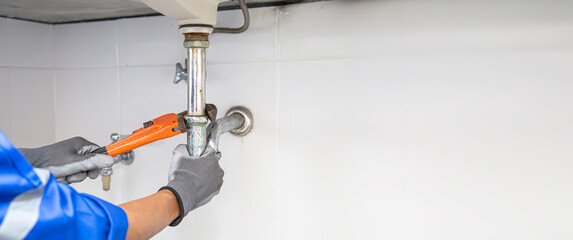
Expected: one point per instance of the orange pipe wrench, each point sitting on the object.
(162, 127)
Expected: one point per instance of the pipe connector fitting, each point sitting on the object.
(196, 40)
(196, 44)
(192, 121)
(196, 134)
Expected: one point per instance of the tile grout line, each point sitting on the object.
(9, 102)
(55, 97)
(9, 73)
(160, 65)
(121, 197)
(277, 102)
(55, 108)
(7, 44)
(9, 67)
(30, 68)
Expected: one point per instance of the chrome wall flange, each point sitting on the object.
(247, 115)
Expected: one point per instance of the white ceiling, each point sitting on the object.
(67, 11)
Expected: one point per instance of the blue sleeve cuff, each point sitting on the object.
(117, 218)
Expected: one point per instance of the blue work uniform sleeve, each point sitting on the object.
(33, 205)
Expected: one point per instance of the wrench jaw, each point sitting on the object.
(181, 121)
(211, 111)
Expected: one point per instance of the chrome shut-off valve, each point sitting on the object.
(124, 158)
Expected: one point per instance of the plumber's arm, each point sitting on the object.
(193, 181)
(148, 216)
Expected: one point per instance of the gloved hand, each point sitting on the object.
(194, 180)
(70, 160)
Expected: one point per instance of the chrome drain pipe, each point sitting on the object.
(196, 118)
(238, 120)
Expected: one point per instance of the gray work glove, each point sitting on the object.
(70, 160)
(194, 180)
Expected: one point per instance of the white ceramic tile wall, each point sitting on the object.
(338, 161)
(336, 30)
(26, 83)
(484, 146)
(87, 105)
(149, 41)
(149, 88)
(81, 96)
(530, 24)
(4, 80)
(247, 205)
(257, 44)
(29, 44)
(85, 45)
(5, 101)
(147, 93)
(3, 42)
(31, 107)
(345, 29)
(373, 120)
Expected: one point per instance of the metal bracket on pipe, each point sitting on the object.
(180, 73)
(238, 121)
